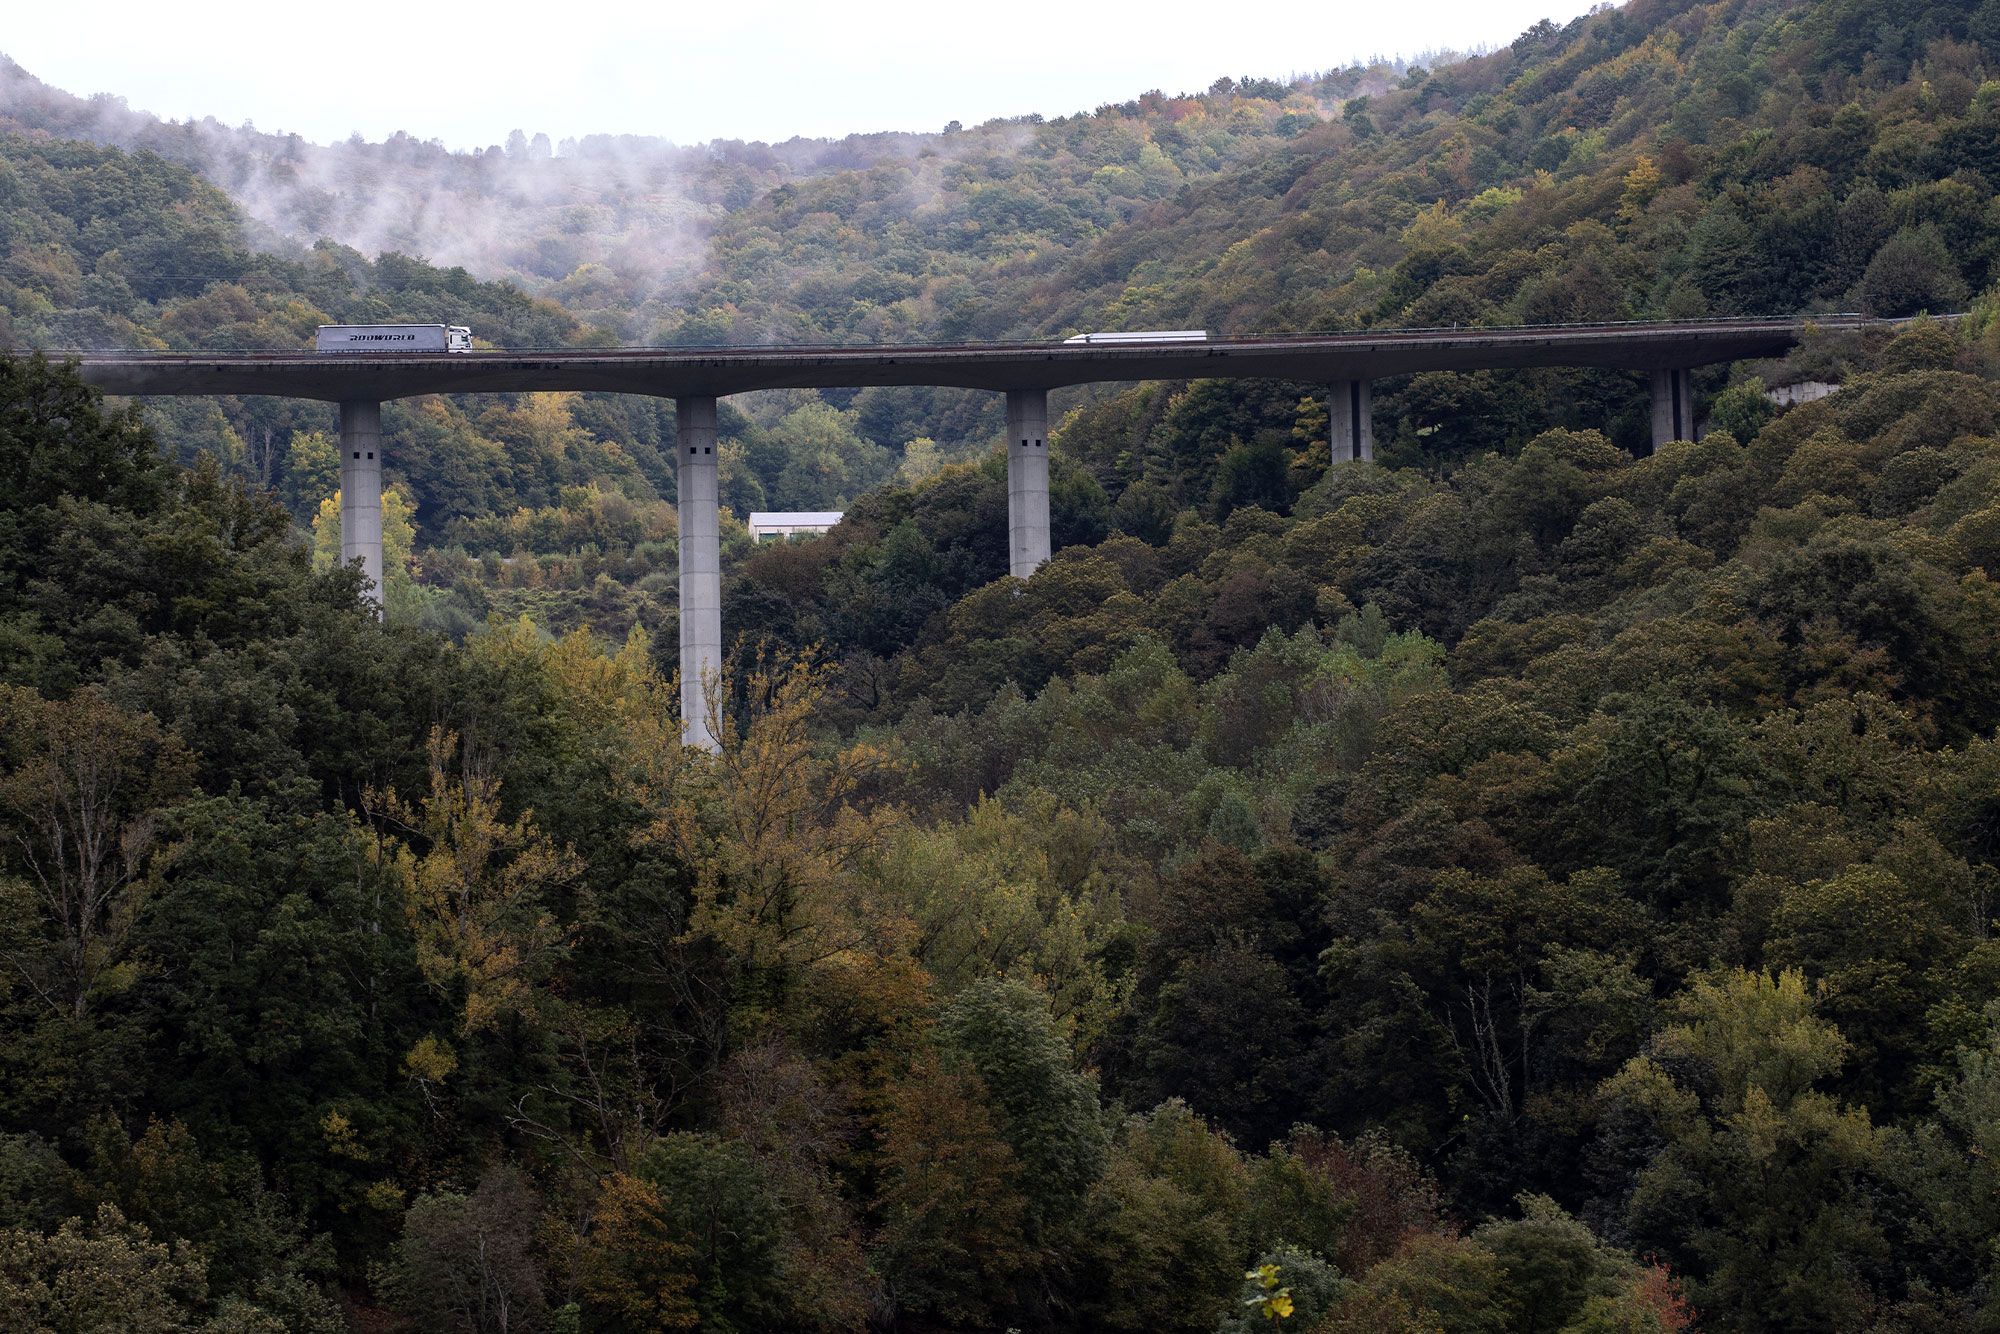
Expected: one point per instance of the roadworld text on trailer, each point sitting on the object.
(393, 338)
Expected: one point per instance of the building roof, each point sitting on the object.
(794, 518)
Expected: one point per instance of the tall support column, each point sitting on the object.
(1027, 480)
(701, 569)
(1673, 407)
(1351, 416)
(361, 491)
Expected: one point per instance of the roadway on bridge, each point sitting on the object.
(683, 372)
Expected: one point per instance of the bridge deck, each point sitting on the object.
(679, 372)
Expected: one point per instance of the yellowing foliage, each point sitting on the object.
(769, 831)
(475, 886)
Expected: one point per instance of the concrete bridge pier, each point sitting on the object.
(700, 514)
(1027, 480)
(1351, 417)
(1673, 406)
(361, 490)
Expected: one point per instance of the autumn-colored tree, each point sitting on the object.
(770, 832)
(953, 1238)
(632, 1271)
(476, 888)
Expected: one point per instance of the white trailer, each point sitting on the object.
(1144, 336)
(394, 338)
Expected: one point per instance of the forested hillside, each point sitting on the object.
(616, 227)
(1514, 886)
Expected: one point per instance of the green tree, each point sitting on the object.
(104, 1274)
(82, 785)
(1913, 271)
(1884, 952)
(468, 1262)
(716, 1202)
(1433, 1281)
(1555, 1268)
(1760, 1185)
(312, 472)
(1741, 410)
(1048, 1114)
(1163, 1230)
(1948, 1168)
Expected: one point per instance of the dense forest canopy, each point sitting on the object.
(1522, 884)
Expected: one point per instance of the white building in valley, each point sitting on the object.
(766, 524)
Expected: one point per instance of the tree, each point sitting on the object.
(399, 592)
(1659, 792)
(1949, 1168)
(82, 784)
(1026, 892)
(1883, 950)
(1145, 510)
(768, 831)
(1913, 271)
(716, 1202)
(104, 1274)
(1756, 1184)
(1514, 954)
(1434, 1281)
(1048, 1114)
(953, 1238)
(1252, 475)
(1555, 1268)
(468, 1262)
(253, 1245)
(1289, 1285)
(815, 458)
(921, 460)
(477, 889)
(1354, 114)
(1354, 1203)
(633, 1271)
(58, 442)
(1163, 1232)
(1225, 1030)
(1741, 410)
(1721, 257)
(312, 472)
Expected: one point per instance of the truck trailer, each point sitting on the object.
(1144, 336)
(394, 338)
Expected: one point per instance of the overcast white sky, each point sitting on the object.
(468, 72)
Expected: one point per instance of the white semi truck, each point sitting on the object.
(394, 338)
(1144, 336)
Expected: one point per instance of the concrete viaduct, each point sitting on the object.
(695, 378)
